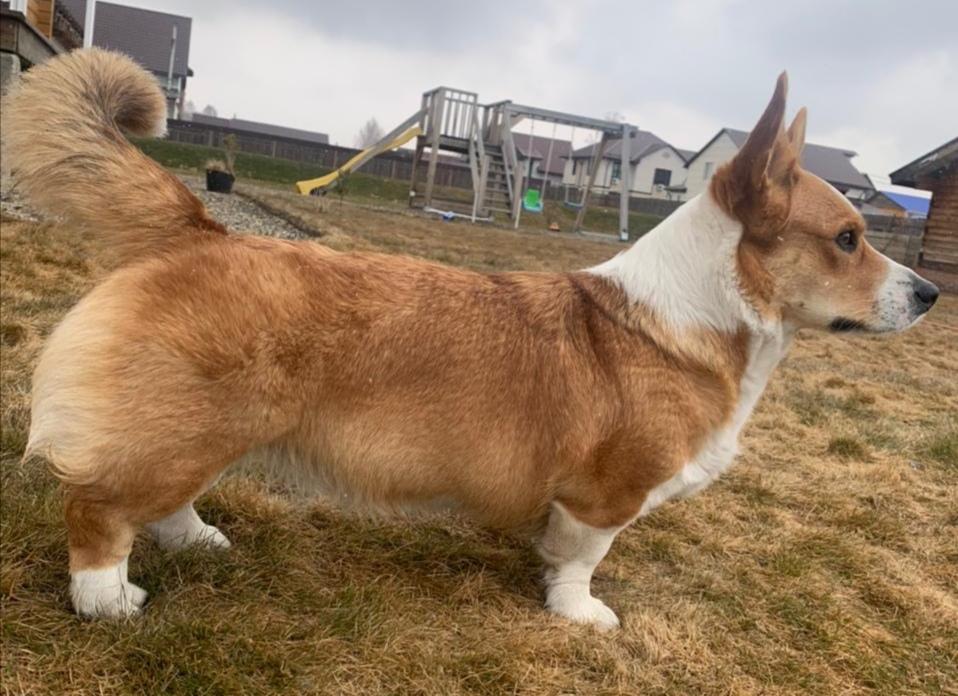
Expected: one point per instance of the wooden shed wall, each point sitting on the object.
(940, 248)
(40, 15)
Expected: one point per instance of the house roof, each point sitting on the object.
(832, 164)
(881, 200)
(540, 150)
(916, 205)
(144, 35)
(255, 127)
(928, 164)
(644, 143)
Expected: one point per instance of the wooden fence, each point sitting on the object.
(326, 157)
(896, 237)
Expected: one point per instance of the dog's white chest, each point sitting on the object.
(719, 450)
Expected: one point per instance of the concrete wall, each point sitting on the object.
(9, 70)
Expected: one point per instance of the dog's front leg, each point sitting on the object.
(572, 549)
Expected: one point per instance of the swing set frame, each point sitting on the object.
(454, 122)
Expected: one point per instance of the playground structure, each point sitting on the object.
(453, 122)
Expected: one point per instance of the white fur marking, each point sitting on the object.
(185, 528)
(105, 592)
(720, 449)
(572, 550)
(894, 304)
(685, 270)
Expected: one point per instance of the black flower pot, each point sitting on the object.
(220, 182)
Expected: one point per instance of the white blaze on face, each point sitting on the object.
(896, 307)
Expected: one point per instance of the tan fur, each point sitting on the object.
(788, 261)
(406, 382)
(397, 382)
(63, 137)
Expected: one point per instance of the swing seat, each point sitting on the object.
(572, 204)
(532, 202)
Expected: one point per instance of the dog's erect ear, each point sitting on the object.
(788, 152)
(768, 160)
(796, 131)
(751, 164)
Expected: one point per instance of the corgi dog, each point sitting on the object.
(571, 403)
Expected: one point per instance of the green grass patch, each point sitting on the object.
(816, 408)
(605, 220)
(268, 169)
(847, 448)
(943, 448)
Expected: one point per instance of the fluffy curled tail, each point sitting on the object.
(63, 142)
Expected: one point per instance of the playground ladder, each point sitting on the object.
(453, 121)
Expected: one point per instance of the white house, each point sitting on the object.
(832, 164)
(657, 167)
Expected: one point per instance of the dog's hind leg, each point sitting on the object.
(104, 515)
(100, 538)
(185, 528)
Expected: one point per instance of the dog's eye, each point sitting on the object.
(846, 241)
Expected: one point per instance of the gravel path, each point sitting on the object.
(12, 204)
(240, 214)
(236, 212)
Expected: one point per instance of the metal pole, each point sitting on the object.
(169, 71)
(545, 172)
(597, 156)
(169, 77)
(88, 23)
(625, 181)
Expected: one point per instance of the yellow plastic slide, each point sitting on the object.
(305, 187)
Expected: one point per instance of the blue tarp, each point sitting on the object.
(916, 205)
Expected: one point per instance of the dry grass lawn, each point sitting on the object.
(825, 562)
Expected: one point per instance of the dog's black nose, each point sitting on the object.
(925, 294)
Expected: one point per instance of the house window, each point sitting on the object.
(662, 176)
(708, 170)
(616, 171)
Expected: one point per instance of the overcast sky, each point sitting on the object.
(878, 77)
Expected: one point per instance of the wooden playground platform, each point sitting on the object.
(454, 122)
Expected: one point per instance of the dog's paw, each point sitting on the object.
(580, 607)
(213, 538)
(103, 594)
(184, 529)
(206, 536)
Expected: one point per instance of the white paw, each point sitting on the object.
(185, 528)
(580, 607)
(105, 593)
(203, 535)
(212, 537)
